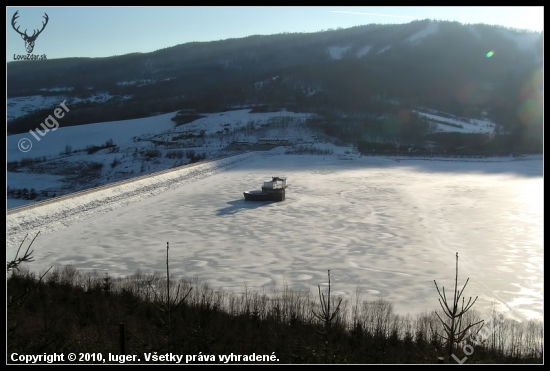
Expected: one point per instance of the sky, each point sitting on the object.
(109, 31)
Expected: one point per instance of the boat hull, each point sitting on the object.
(256, 196)
(265, 195)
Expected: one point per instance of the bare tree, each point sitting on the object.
(169, 305)
(26, 258)
(326, 316)
(15, 301)
(455, 329)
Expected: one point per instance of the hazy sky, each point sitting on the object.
(108, 31)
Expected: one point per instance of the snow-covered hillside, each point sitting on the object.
(76, 158)
(461, 125)
(21, 106)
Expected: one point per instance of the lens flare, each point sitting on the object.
(531, 110)
(490, 54)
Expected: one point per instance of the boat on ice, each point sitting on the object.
(272, 190)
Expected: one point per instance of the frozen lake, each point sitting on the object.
(384, 226)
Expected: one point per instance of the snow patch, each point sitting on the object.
(363, 51)
(336, 52)
(431, 28)
(445, 124)
(474, 31)
(22, 106)
(525, 42)
(383, 49)
(142, 82)
(57, 89)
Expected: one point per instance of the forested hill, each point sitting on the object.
(465, 70)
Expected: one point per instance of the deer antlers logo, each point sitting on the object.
(29, 40)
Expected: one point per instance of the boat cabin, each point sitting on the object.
(275, 183)
(272, 190)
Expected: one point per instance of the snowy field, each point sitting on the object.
(78, 137)
(123, 132)
(57, 172)
(444, 124)
(21, 106)
(385, 227)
